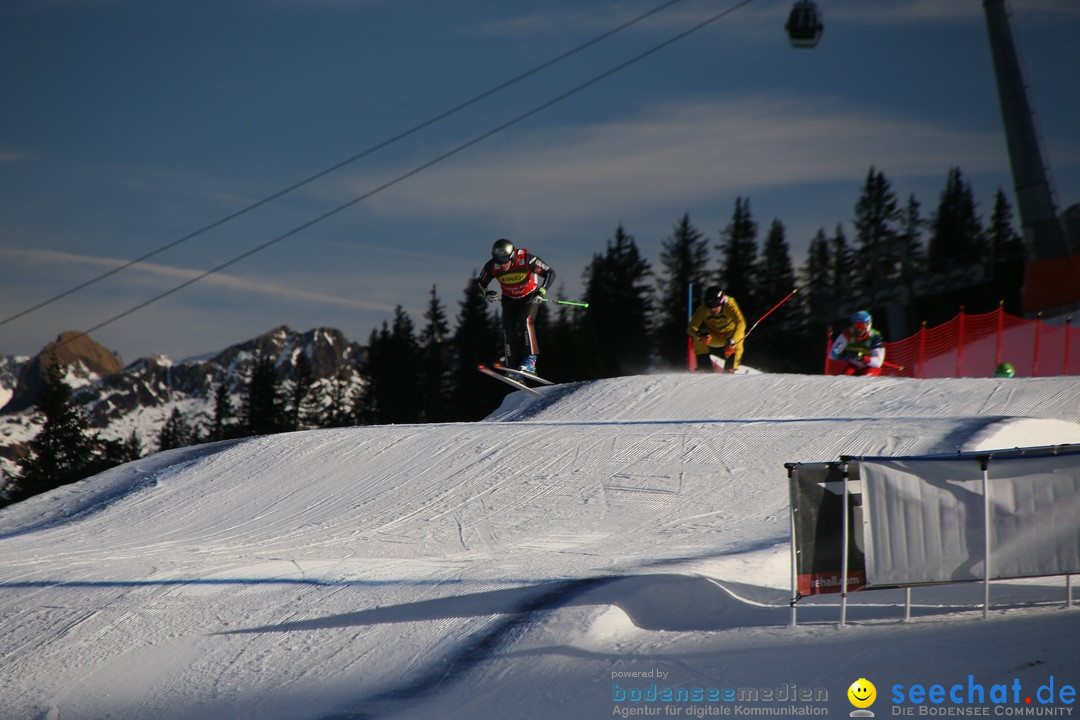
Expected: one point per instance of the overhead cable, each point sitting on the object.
(430, 163)
(348, 161)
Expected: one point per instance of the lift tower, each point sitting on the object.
(1034, 196)
(1052, 276)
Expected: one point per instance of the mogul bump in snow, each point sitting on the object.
(718, 328)
(860, 347)
(524, 279)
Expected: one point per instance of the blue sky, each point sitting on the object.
(127, 125)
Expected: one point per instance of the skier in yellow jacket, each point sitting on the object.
(718, 328)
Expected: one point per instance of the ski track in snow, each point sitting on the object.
(484, 570)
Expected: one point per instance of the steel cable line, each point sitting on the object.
(430, 163)
(348, 161)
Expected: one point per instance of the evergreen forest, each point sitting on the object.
(903, 264)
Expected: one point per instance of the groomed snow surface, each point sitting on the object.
(620, 536)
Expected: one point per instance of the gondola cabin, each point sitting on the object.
(804, 24)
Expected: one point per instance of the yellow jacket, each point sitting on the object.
(728, 325)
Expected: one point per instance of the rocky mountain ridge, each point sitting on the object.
(142, 395)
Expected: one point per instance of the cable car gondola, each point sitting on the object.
(804, 24)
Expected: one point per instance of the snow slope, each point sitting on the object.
(614, 536)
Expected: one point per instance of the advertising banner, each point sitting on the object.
(940, 520)
(817, 507)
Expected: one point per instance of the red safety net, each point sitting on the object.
(974, 345)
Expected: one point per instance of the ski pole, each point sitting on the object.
(884, 363)
(770, 312)
(566, 302)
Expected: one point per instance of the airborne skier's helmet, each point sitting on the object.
(860, 324)
(502, 251)
(1004, 370)
(714, 297)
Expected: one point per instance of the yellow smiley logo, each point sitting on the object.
(862, 693)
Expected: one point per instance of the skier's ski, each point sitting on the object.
(509, 380)
(516, 374)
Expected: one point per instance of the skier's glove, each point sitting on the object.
(539, 296)
(729, 349)
(491, 296)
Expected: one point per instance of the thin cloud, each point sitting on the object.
(153, 274)
(12, 156)
(702, 149)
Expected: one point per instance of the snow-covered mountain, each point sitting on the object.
(572, 556)
(141, 396)
(10, 367)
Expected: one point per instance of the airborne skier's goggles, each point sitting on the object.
(501, 259)
(861, 328)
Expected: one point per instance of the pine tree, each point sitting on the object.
(176, 432)
(617, 287)
(818, 299)
(391, 391)
(775, 275)
(64, 450)
(477, 340)
(738, 261)
(877, 220)
(684, 257)
(957, 238)
(122, 451)
(912, 258)
(263, 412)
(302, 410)
(847, 287)
(406, 407)
(817, 279)
(775, 280)
(435, 362)
(563, 342)
(1008, 255)
(368, 403)
(338, 411)
(223, 425)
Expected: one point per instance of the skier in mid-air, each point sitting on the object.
(524, 280)
(717, 328)
(860, 347)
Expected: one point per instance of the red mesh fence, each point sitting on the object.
(974, 345)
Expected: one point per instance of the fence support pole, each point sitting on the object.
(1068, 338)
(960, 343)
(1035, 352)
(794, 563)
(844, 551)
(828, 348)
(984, 461)
(691, 360)
(1000, 332)
(922, 349)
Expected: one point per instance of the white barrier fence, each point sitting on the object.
(877, 522)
